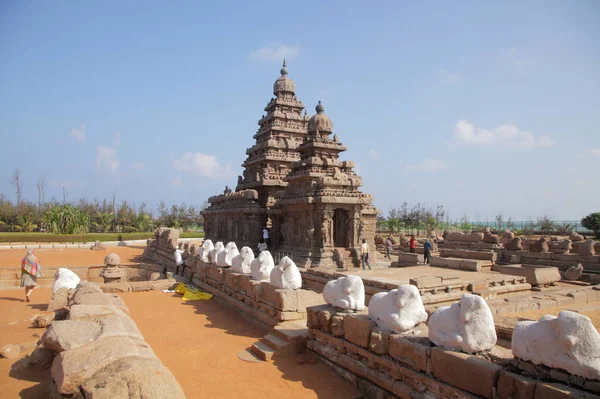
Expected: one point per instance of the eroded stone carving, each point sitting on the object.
(286, 275)
(399, 310)
(214, 254)
(574, 272)
(205, 251)
(262, 266)
(467, 325)
(225, 257)
(346, 292)
(569, 342)
(241, 263)
(64, 278)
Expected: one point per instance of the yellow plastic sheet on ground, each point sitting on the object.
(191, 294)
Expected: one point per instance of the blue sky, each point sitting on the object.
(481, 107)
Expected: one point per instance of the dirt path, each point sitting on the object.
(15, 328)
(71, 257)
(199, 342)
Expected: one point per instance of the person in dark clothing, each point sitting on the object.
(388, 247)
(427, 252)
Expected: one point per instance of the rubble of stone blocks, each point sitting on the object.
(100, 352)
(388, 365)
(408, 259)
(460, 264)
(590, 263)
(258, 299)
(473, 241)
(161, 249)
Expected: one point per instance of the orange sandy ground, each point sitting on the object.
(71, 257)
(198, 341)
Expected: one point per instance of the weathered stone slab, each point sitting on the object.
(65, 335)
(357, 329)
(409, 352)
(72, 368)
(515, 386)
(534, 275)
(455, 263)
(466, 254)
(407, 258)
(466, 372)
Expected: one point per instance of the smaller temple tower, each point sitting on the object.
(321, 208)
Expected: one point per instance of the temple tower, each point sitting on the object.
(322, 207)
(281, 131)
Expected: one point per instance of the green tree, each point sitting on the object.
(545, 224)
(592, 222)
(66, 219)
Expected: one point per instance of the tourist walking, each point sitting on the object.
(262, 245)
(427, 252)
(31, 269)
(413, 244)
(388, 247)
(364, 254)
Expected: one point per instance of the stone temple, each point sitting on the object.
(295, 184)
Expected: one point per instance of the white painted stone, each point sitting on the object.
(214, 254)
(242, 262)
(64, 278)
(569, 342)
(178, 256)
(467, 325)
(346, 292)
(286, 275)
(224, 258)
(205, 250)
(262, 266)
(399, 310)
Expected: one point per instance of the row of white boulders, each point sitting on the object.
(569, 342)
(467, 325)
(100, 351)
(285, 275)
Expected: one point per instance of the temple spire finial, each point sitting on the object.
(284, 70)
(320, 108)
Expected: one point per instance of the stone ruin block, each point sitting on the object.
(453, 263)
(534, 275)
(250, 288)
(410, 259)
(426, 281)
(466, 254)
(357, 329)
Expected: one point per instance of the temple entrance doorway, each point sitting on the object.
(340, 228)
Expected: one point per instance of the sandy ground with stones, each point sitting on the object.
(71, 257)
(198, 341)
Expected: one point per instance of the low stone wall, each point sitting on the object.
(590, 263)
(259, 300)
(460, 264)
(467, 254)
(11, 278)
(387, 365)
(161, 256)
(100, 353)
(470, 245)
(408, 259)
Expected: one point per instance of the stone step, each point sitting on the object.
(263, 350)
(294, 331)
(275, 342)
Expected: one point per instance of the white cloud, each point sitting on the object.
(137, 165)
(507, 135)
(117, 139)
(178, 182)
(595, 152)
(449, 78)
(106, 158)
(511, 51)
(203, 165)
(428, 165)
(373, 154)
(275, 52)
(79, 134)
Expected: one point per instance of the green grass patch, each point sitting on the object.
(91, 237)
